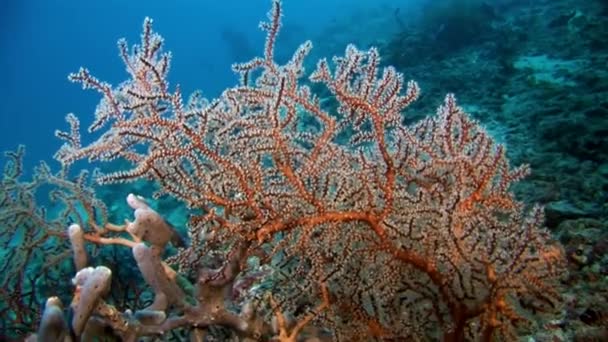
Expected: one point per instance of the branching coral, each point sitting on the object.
(401, 232)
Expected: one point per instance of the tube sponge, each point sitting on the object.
(91, 285)
(76, 236)
(165, 288)
(53, 328)
(149, 225)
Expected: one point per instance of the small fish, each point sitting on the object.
(176, 239)
(139, 202)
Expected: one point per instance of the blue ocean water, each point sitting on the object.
(41, 42)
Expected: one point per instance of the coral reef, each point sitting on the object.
(538, 81)
(312, 218)
(35, 250)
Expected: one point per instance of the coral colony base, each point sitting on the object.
(312, 222)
